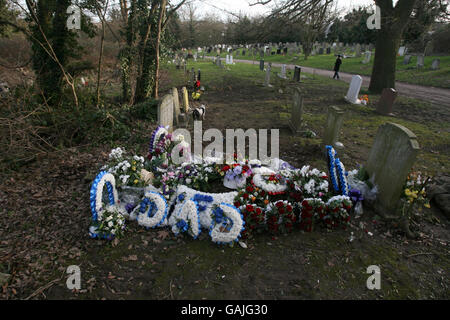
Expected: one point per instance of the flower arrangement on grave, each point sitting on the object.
(311, 182)
(126, 169)
(312, 210)
(109, 225)
(414, 193)
(273, 184)
(338, 212)
(365, 99)
(236, 175)
(280, 217)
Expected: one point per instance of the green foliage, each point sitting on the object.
(146, 110)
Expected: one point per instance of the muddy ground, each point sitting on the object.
(44, 218)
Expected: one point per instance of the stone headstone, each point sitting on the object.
(328, 50)
(321, 51)
(283, 72)
(435, 65)
(358, 50)
(165, 112)
(267, 78)
(386, 102)
(353, 90)
(297, 73)
(185, 99)
(390, 161)
(231, 59)
(296, 112)
(261, 65)
(420, 61)
(367, 56)
(402, 51)
(407, 59)
(335, 117)
(176, 105)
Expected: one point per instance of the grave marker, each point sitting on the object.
(407, 59)
(335, 117)
(435, 65)
(261, 65)
(420, 61)
(185, 99)
(390, 160)
(267, 78)
(165, 112)
(353, 90)
(283, 72)
(386, 102)
(367, 56)
(296, 112)
(297, 72)
(176, 105)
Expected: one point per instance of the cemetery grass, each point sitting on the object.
(405, 73)
(46, 215)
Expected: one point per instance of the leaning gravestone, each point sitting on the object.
(165, 112)
(420, 61)
(390, 160)
(297, 72)
(185, 100)
(267, 78)
(335, 117)
(176, 105)
(435, 65)
(297, 110)
(353, 90)
(407, 59)
(386, 102)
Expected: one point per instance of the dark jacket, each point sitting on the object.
(337, 65)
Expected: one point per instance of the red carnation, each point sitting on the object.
(249, 208)
(281, 210)
(250, 189)
(289, 208)
(226, 168)
(237, 204)
(258, 211)
(245, 196)
(279, 204)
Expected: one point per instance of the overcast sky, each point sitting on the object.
(221, 7)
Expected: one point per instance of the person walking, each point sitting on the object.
(337, 66)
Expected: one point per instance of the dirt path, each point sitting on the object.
(431, 94)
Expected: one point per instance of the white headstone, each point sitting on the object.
(402, 51)
(420, 61)
(267, 78)
(283, 72)
(353, 90)
(367, 56)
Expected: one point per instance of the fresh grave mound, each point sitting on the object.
(157, 192)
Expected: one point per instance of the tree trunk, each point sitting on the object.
(384, 66)
(100, 58)
(393, 22)
(158, 40)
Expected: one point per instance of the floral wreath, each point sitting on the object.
(156, 136)
(227, 224)
(343, 184)
(273, 184)
(96, 201)
(187, 219)
(152, 211)
(332, 168)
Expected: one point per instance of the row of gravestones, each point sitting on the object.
(390, 160)
(282, 74)
(170, 112)
(421, 62)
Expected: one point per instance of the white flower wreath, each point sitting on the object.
(233, 232)
(259, 181)
(205, 215)
(189, 215)
(152, 201)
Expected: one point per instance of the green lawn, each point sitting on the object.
(406, 73)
